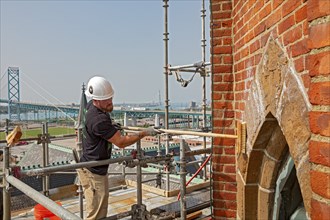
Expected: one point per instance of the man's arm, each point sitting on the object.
(124, 141)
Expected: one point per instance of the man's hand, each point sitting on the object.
(151, 132)
(116, 125)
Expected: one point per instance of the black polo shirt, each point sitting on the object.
(98, 129)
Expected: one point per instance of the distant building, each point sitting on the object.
(192, 105)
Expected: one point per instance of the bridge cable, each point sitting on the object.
(3, 75)
(3, 88)
(1, 81)
(48, 100)
(43, 89)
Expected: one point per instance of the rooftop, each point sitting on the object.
(122, 189)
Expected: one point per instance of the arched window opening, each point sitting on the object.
(288, 201)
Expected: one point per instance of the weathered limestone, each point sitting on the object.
(265, 200)
(269, 172)
(277, 144)
(276, 114)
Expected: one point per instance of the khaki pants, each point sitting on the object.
(96, 193)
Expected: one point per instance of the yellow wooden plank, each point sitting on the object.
(194, 215)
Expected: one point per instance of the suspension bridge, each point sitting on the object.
(36, 112)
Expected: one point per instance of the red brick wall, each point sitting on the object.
(239, 32)
(223, 161)
(318, 65)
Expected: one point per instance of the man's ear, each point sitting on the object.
(96, 102)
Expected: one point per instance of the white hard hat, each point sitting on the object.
(98, 88)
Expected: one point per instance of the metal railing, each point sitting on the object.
(13, 178)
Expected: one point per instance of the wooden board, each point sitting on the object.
(194, 215)
(165, 193)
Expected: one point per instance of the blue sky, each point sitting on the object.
(58, 45)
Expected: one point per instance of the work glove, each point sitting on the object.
(151, 132)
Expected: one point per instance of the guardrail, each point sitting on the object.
(11, 175)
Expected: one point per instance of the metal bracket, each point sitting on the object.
(7, 185)
(43, 138)
(140, 212)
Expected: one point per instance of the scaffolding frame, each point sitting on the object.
(12, 175)
(199, 67)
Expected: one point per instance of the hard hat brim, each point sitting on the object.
(109, 96)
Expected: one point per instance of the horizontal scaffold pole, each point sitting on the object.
(128, 161)
(50, 137)
(145, 160)
(52, 169)
(181, 132)
(41, 199)
(197, 152)
(194, 65)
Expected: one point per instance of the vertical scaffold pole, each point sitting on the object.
(5, 192)
(166, 85)
(182, 174)
(45, 140)
(139, 176)
(203, 44)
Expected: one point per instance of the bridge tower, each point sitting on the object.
(13, 94)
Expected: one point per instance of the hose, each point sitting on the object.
(199, 169)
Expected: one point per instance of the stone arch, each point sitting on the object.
(277, 124)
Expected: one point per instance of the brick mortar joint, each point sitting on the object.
(220, 3)
(221, 83)
(300, 56)
(219, 155)
(222, 190)
(218, 12)
(221, 37)
(317, 137)
(320, 198)
(321, 108)
(227, 119)
(215, 20)
(320, 168)
(320, 78)
(220, 19)
(224, 200)
(319, 50)
(321, 20)
(223, 64)
(221, 28)
(224, 209)
(226, 147)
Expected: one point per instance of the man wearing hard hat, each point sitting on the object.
(98, 132)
